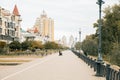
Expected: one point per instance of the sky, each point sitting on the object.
(69, 15)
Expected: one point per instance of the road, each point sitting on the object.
(52, 67)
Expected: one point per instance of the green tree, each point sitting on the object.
(111, 33)
(51, 45)
(2, 44)
(78, 45)
(26, 45)
(15, 45)
(115, 54)
(2, 47)
(90, 46)
(37, 44)
(110, 28)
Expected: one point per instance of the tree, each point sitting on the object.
(115, 54)
(89, 45)
(78, 45)
(51, 45)
(25, 45)
(2, 44)
(110, 28)
(15, 45)
(37, 44)
(111, 33)
(2, 47)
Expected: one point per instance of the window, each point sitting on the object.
(8, 25)
(13, 33)
(11, 25)
(0, 30)
(5, 24)
(5, 32)
(0, 21)
(13, 18)
(8, 32)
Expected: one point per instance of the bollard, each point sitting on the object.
(99, 71)
(119, 75)
(104, 70)
(95, 65)
(115, 75)
(91, 62)
(107, 72)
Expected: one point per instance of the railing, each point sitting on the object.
(6, 37)
(10, 38)
(107, 72)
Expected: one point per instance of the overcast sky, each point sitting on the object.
(68, 15)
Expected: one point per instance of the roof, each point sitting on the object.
(35, 30)
(15, 11)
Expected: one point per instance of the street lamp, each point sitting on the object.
(99, 71)
(80, 35)
(80, 38)
(100, 2)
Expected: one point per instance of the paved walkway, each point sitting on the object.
(54, 67)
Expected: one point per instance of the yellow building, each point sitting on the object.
(45, 26)
(9, 25)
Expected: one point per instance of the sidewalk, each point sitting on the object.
(70, 67)
(55, 67)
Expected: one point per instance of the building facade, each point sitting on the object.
(64, 41)
(45, 26)
(9, 25)
(71, 41)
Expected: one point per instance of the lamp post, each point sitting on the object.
(100, 60)
(80, 35)
(80, 38)
(100, 2)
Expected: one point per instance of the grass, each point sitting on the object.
(107, 61)
(21, 57)
(10, 61)
(15, 60)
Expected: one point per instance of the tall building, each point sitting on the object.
(9, 25)
(45, 26)
(64, 41)
(71, 41)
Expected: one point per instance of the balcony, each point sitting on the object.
(6, 37)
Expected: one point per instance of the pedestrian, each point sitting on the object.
(86, 54)
(60, 53)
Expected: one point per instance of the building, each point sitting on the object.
(25, 35)
(71, 41)
(64, 41)
(9, 25)
(43, 30)
(45, 26)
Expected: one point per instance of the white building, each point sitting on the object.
(9, 25)
(71, 41)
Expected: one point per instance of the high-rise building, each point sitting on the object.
(9, 25)
(45, 26)
(64, 41)
(71, 41)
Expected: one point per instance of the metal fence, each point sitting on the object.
(107, 72)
